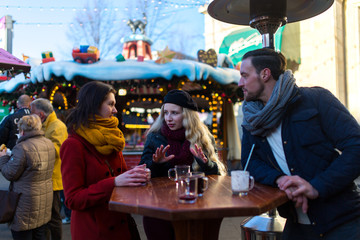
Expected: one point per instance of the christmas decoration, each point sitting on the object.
(86, 54)
(165, 56)
(208, 57)
(47, 57)
(120, 58)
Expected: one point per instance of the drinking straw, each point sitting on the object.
(252, 148)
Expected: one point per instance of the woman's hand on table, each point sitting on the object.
(147, 170)
(197, 152)
(160, 155)
(133, 177)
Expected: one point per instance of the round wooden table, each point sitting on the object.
(202, 219)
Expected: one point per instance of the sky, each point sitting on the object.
(41, 25)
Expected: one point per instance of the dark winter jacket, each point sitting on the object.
(155, 140)
(9, 128)
(321, 142)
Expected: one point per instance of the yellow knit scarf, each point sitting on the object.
(104, 134)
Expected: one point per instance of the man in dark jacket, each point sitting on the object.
(8, 127)
(306, 143)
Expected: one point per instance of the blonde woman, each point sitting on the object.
(29, 168)
(178, 137)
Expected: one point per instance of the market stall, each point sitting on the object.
(141, 86)
(10, 67)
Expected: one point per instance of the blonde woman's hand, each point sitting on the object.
(133, 177)
(197, 152)
(160, 155)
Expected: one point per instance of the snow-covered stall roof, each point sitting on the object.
(126, 70)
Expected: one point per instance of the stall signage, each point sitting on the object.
(3, 37)
(4, 111)
(237, 43)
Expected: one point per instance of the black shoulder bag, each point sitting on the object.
(8, 203)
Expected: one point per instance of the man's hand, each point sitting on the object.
(298, 190)
(160, 155)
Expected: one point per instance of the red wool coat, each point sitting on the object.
(88, 185)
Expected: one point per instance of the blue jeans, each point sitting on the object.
(67, 211)
(295, 231)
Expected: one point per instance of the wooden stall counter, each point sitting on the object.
(202, 219)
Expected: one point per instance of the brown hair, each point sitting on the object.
(267, 58)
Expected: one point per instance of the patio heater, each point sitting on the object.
(266, 16)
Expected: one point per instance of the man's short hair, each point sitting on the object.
(24, 101)
(43, 105)
(267, 58)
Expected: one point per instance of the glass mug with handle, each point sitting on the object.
(241, 182)
(178, 171)
(148, 174)
(187, 189)
(203, 182)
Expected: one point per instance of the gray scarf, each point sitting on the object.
(260, 120)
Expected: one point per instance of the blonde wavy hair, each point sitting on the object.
(29, 123)
(196, 132)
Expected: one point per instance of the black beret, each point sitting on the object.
(180, 98)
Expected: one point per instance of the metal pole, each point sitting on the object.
(268, 40)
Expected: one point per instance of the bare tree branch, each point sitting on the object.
(104, 28)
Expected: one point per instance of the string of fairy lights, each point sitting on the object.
(170, 7)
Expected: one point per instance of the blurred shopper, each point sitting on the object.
(29, 168)
(178, 137)
(8, 127)
(67, 211)
(306, 143)
(55, 130)
(93, 164)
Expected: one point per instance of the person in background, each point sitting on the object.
(306, 143)
(29, 168)
(8, 126)
(93, 164)
(67, 211)
(56, 131)
(178, 137)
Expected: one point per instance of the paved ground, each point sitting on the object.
(230, 227)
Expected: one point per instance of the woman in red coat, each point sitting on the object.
(92, 165)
